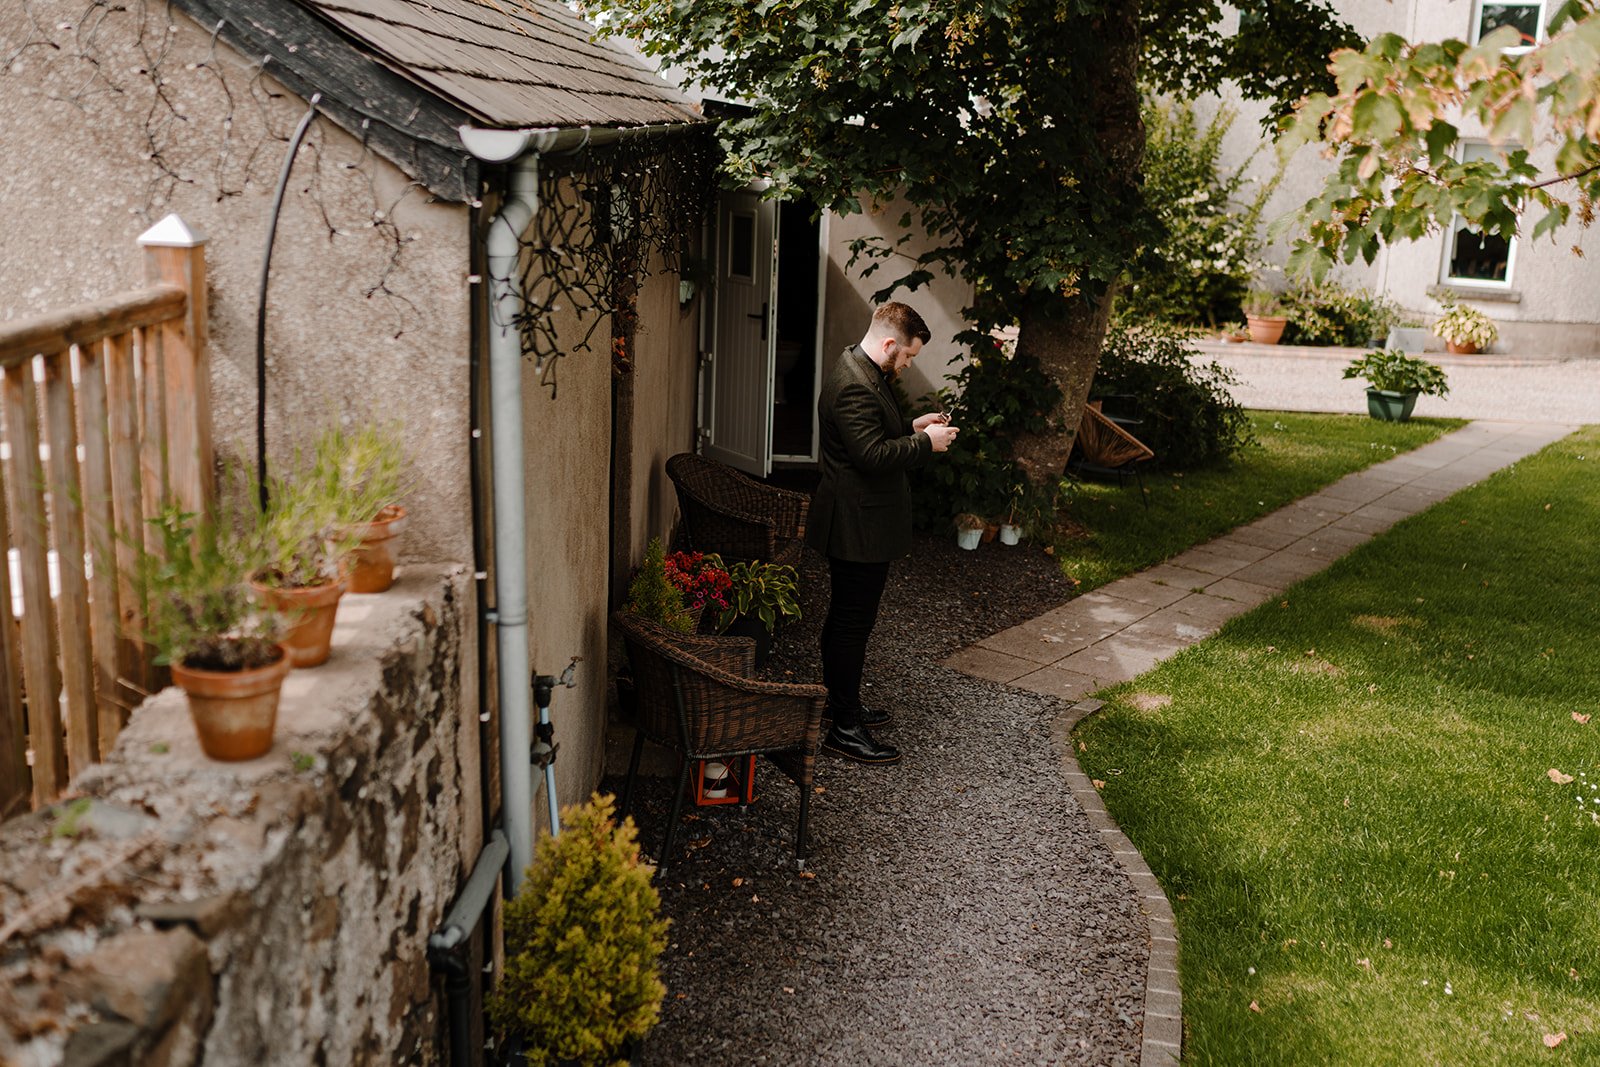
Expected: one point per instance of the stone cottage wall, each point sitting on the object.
(181, 911)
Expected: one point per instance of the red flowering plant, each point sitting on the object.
(701, 578)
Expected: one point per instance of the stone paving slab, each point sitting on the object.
(1129, 626)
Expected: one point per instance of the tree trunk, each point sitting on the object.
(1064, 333)
(1066, 341)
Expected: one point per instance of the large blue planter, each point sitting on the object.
(1390, 407)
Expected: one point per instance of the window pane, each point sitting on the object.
(1478, 257)
(742, 247)
(1525, 17)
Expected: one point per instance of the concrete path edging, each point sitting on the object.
(1128, 626)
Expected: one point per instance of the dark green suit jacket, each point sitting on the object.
(862, 509)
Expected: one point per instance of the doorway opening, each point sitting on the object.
(796, 356)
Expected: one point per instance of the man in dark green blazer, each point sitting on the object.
(860, 516)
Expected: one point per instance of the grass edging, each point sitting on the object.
(1161, 1028)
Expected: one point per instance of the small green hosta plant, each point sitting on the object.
(764, 590)
(584, 938)
(1393, 371)
(1462, 325)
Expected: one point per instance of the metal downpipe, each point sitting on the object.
(510, 533)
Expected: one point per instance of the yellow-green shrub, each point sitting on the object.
(583, 944)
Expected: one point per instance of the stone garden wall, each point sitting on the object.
(175, 910)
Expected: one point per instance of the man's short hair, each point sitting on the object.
(900, 321)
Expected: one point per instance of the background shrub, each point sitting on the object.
(1197, 274)
(993, 398)
(1189, 417)
(1329, 314)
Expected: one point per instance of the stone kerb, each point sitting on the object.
(179, 911)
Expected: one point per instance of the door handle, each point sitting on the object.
(763, 318)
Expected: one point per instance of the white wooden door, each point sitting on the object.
(739, 374)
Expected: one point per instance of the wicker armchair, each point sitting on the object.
(732, 514)
(696, 696)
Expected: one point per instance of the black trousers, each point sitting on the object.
(857, 588)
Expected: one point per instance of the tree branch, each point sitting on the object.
(1566, 177)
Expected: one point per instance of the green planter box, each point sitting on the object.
(1390, 407)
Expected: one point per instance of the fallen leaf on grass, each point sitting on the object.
(1099, 783)
(1082, 747)
(1552, 1040)
(1580, 718)
(1557, 777)
(1255, 1007)
(1364, 963)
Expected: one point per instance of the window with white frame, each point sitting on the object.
(1473, 257)
(1527, 16)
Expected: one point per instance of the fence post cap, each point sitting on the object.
(172, 232)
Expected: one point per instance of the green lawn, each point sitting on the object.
(1296, 454)
(1350, 800)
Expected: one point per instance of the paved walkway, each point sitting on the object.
(1125, 628)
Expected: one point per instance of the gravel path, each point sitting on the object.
(960, 909)
(1532, 389)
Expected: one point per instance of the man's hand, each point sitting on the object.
(933, 418)
(940, 434)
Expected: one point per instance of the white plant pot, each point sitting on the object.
(1009, 534)
(968, 539)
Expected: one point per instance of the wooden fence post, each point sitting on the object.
(176, 254)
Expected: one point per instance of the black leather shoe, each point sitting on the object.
(854, 742)
(873, 718)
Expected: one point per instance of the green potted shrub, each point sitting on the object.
(583, 944)
(307, 543)
(759, 595)
(1394, 381)
(201, 620)
(1465, 330)
(652, 595)
(1263, 314)
(364, 470)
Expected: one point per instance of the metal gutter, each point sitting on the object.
(521, 150)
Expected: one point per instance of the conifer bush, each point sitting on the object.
(652, 594)
(584, 939)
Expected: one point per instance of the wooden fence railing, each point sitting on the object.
(104, 413)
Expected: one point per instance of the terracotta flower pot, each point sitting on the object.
(989, 531)
(1266, 329)
(310, 613)
(372, 564)
(1468, 349)
(234, 712)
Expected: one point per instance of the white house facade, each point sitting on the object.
(1544, 295)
